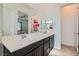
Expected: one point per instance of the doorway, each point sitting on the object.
(69, 25)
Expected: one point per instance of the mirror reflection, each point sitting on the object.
(22, 23)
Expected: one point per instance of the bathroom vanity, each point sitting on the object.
(33, 44)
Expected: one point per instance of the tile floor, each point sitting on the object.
(65, 51)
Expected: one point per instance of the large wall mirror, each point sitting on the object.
(22, 23)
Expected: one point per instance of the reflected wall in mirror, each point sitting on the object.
(46, 24)
(22, 23)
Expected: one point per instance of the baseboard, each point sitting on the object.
(68, 45)
(55, 47)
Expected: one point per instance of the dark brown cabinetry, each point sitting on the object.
(40, 48)
(51, 42)
(31, 49)
(46, 46)
(36, 52)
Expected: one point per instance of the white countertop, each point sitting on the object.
(13, 43)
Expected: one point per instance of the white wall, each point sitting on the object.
(57, 26)
(8, 26)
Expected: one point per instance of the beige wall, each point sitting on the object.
(68, 14)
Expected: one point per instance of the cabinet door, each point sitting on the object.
(46, 46)
(46, 43)
(46, 52)
(30, 54)
(51, 42)
(39, 51)
(36, 52)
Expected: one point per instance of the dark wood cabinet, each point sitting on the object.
(36, 52)
(7, 52)
(30, 54)
(31, 48)
(51, 42)
(40, 48)
(46, 52)
(46, 46)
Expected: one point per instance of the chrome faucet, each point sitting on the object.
(24, 36)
